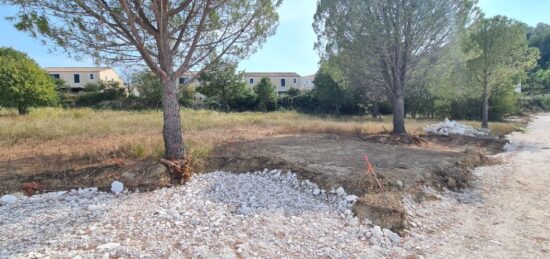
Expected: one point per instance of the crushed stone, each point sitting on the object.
(453, 127)
(218, 214)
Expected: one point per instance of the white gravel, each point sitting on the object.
(453, 127)
(117, 187)
(7, 199)
(216, 215)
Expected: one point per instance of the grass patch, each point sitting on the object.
(104, 134)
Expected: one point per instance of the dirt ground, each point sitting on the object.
(334, 161)
(77, 162)
(505, 215)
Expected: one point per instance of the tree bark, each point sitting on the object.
(22, 109)
(171, 132)
(376, 109)
(485, 109)
(399, 114)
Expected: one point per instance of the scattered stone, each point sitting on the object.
(316, 191)
(117, 187)
(451, 182)
(393, 237)
(399, 184)
(377, 232)
(7, 199)
(351, 198)
(108, 246)
(341, 192)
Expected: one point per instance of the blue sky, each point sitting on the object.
(289, 50)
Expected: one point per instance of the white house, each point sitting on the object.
(77, 77)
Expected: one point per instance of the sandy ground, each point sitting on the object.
(507, 215)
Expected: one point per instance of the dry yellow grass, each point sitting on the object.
(105, 133)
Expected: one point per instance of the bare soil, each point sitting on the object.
(333, 161)
(80, 162)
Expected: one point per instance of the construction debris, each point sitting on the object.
(449, 127)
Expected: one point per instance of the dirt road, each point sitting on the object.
(507, 215)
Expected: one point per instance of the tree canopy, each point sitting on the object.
(222, 82)
(328, 92)
(388, 38)
(539, 37)
(500, 52)
(265, 94)
(23, 83)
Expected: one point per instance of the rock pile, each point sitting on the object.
(219, 214)
(452, 127)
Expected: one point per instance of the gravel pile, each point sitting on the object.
(262, 214)
(452, 127)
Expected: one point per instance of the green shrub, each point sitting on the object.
(93, 98)
(537, 103)
(266, 96)
(23, 83)
(94, 87)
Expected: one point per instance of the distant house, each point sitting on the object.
(307, 83)
(77, 77)
(282, 80)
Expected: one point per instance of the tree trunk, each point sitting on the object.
(226, 105)
(399, 114)
(376, 109)
(171, 132)
(485, 109)
(22, 109)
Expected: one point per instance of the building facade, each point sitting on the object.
(282, 81)
(307, 83)
(77, 77)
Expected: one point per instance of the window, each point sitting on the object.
(92, 76)
(55, 76)
(77, 78)
(283, 82)
(251, 81)
(294, 80)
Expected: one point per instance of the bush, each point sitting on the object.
(538, 103)
(94, 98)
(221, 82)
(23, 83)
(187, 96)
(245, 101)
(149, 88)
(94, 87)
(67, 100)
(266, 96)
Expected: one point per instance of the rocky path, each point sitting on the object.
(506, 216)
